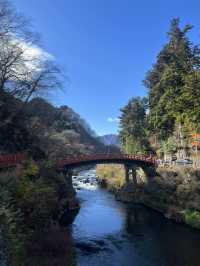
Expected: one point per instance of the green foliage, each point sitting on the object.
(169, 146)
(39, 202)
(189, 99)
(38, 194)
(12, 226)
(133, 126)
(192, 218)
(173, 99)
(30, 202)
(173, 83)
(31, 170)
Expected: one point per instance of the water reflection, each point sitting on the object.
(110, 233)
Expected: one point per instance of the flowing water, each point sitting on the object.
(109, 233)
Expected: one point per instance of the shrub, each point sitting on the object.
(12, 228)
(192, 218)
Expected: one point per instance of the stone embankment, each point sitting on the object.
(174, 192)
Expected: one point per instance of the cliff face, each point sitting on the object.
(174, 192)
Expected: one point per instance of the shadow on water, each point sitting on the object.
(109, 233)
(161, 241)
(55, 247)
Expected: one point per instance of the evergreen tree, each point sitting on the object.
(133, 124)
(173, 83)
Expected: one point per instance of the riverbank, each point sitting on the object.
(36, 202)
(111, 233)
(173, 192)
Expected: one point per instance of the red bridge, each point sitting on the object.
(140, 160)
(10, 160)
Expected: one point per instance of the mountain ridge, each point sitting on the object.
(110, 140)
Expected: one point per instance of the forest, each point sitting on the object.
(34, 195)
(167, 121)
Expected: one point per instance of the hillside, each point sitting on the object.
(44, 130)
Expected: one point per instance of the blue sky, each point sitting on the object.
(105, 47)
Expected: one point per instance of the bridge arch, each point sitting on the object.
(130, 162)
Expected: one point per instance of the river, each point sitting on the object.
(109, 233)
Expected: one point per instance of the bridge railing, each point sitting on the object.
(8, 160)
(87, 158)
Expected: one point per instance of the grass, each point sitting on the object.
(112, 174)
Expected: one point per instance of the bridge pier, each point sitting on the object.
(150, 171)
(69, 176)
(127, 174)
(134, 175)
(68, 173)
(130, 174)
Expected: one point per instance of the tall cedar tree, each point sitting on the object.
(174, 84)
(133, 133)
